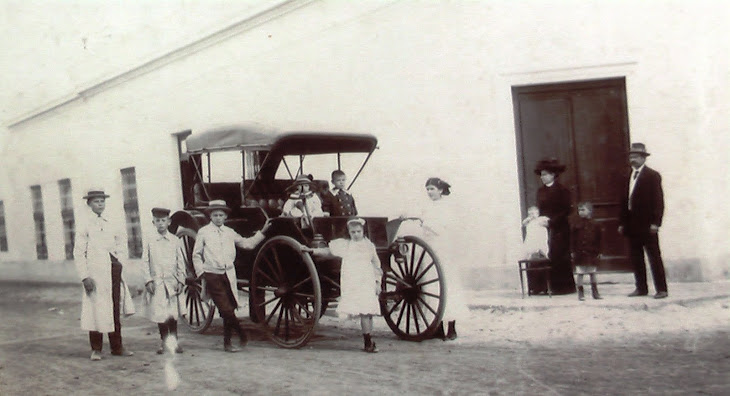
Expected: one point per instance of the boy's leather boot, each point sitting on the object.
(594, 289)
(451, 334)
(581, 294)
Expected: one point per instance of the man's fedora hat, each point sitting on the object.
(639, 148)
(160, 212)
(549, 164)
(95, 193)
(217, 204)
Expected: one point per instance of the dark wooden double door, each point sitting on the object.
(585, 125)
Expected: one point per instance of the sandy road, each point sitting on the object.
(42, 351)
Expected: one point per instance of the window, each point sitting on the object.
(67, 216)
(40, 223)
(3, 232)
(131, 211)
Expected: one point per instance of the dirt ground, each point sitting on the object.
(43, 352)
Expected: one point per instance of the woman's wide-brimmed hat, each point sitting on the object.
(217, 204)
(300, 181)
(639, 148)
(95, 193)
(551, 165)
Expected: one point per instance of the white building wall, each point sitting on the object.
(432, 80)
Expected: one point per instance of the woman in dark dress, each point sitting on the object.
(553, 200)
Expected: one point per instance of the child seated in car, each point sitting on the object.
(301, 194)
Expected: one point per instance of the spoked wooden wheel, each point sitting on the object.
(286, 298)
(197, 311)
(413, 297)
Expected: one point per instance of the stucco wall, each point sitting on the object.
(432, 80)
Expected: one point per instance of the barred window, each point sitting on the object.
(131, 211)
(40, 223)
(3, 232)
(67, 216)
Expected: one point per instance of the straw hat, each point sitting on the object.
(95, 193)
(217, 204)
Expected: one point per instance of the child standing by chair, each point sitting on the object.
(585, 248)
(360, 278)
(164, 270)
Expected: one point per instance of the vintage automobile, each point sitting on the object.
(288, 288)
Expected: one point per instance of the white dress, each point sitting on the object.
(359, 275)
(536, 238)
(441, 231)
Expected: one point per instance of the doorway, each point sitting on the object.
(585, 125)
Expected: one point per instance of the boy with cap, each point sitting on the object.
(213, 257)
(338, 201)
(164, 270)
(97, 248)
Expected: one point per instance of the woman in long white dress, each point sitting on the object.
(440, 230)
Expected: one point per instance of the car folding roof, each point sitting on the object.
(256, 137)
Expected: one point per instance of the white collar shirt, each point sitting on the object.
(215, 248)
(632, 181)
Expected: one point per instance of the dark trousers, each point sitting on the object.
(167, 327)
(650, 242)
(219, 290)
(96, 339)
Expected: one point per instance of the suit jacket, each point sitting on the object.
(647, 202)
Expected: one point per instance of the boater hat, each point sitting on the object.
(217, 204)
(95, 193)
(638, 148)
(549, 164)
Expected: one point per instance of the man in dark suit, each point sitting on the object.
(641, 217)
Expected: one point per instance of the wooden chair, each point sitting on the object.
(540, 264)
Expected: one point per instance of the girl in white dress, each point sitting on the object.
(360, 278)
(440, 229)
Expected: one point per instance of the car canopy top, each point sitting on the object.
(280, 143)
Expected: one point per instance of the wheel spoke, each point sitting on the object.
(266, 288)
(430, 294)
(273, 270)
(278, 320)
(261, 271)
(425, 271)
(420, 260)
(415, 318)
(287, 315)
(423, 316)
(427, 305)
(408, 318)
(330, 280)
(413, 257)
(301, 283)
(308, 296)
(400, 315)
(278, 263)
(267, 301)
(393, 308)
(399, 280)
(273, 311)
(428, 282)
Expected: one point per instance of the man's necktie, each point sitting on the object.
(636, 174)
